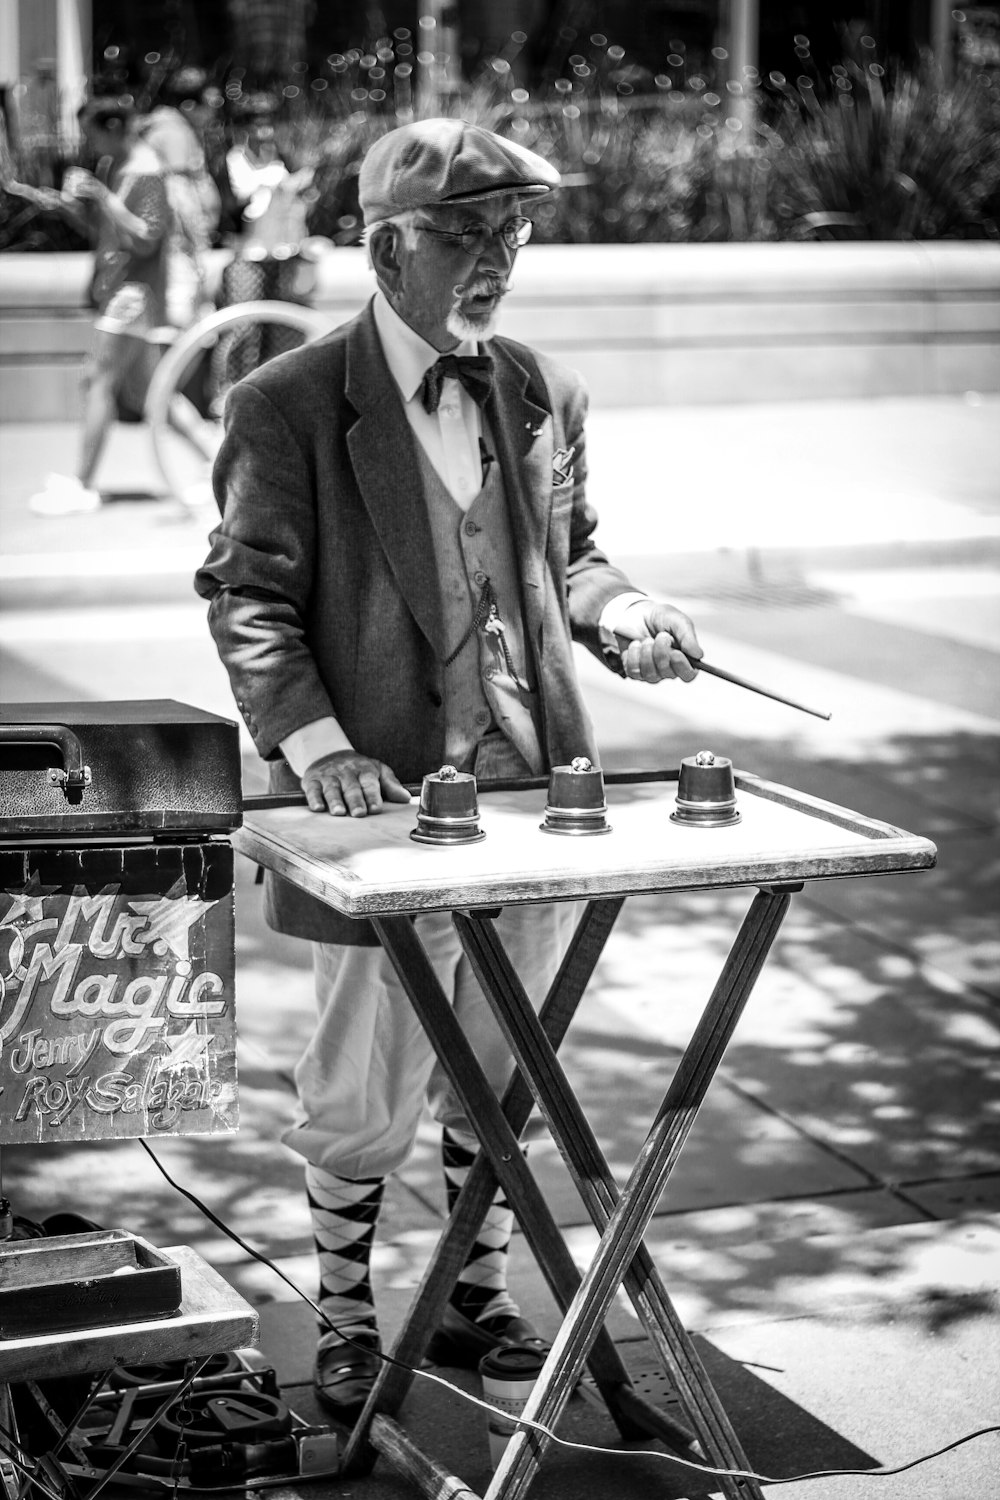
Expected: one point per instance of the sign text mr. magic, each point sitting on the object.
(112, 1003)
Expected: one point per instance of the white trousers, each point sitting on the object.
(368, 1067)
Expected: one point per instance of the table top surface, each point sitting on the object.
(371, 867)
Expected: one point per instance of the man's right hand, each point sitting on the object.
(346, 782)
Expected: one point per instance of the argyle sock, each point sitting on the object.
(480, 1293)
(344, 1214)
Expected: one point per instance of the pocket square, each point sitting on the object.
(562, 467)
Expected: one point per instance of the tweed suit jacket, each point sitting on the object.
(321, 577)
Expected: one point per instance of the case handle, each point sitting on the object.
(74, 775)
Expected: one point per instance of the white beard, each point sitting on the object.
(462, 327)
(460, 324)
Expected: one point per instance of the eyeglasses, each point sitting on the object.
(475, 239)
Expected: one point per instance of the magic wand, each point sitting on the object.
(753, 687)
(703, 666)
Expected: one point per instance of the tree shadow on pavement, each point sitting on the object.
(867, 1060)
(863, 1071)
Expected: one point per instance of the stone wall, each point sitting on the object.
(646, 325)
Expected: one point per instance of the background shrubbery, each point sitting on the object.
(670, 157)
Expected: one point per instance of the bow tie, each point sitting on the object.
(475, 371)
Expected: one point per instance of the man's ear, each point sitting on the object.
(384, 258)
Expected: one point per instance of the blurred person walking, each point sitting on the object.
(195, 206)
(125, 208)
(269, 262)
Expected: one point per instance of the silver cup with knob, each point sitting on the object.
(706, 792)
(449, 809)
(576, 802)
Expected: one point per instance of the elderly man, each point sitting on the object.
(404, 560)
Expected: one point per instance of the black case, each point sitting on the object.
(156, 766)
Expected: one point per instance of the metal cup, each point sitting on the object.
(449, 809)
(706, 792)
(576, 802)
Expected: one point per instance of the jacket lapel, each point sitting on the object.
(381, 445)
(522, 431)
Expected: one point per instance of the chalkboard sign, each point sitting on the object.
(117, 1007)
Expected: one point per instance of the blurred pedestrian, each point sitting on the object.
(124, 206)
(195, 205)
(269, 263)
(273, 211)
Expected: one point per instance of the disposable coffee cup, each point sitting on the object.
(508, 1377)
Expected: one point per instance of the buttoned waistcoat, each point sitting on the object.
(322, 579)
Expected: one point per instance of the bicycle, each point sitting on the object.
(171, 414)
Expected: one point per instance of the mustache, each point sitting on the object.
(486, 284)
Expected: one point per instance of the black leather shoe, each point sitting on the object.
(69, 1223)
(344, 1374)
(461, 1343)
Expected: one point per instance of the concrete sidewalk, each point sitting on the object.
(831, 1235)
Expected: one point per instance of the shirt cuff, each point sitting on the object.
(612, 615)
(321, 737)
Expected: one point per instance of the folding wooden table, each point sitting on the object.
(371, 868)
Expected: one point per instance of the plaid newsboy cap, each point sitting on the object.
(446, 161)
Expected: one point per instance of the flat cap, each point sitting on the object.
(446, 161)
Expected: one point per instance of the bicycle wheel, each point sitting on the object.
(171, 415)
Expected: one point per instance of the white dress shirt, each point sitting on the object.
(450, 438)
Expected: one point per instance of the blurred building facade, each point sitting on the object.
(50, 48)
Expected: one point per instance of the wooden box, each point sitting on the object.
(77, 1281)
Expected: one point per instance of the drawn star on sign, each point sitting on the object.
(29, 901)
(185, 1049)
(170, 919)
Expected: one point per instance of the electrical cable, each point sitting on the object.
(701, 1468)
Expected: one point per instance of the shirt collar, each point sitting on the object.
(408, 356)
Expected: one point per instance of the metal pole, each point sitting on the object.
(437, 54)
(743, 48)
(426, 62)
(10, 43)
(941, 38)
(71, 78)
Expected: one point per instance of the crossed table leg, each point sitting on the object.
(620, 1217)
(634, 1416)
